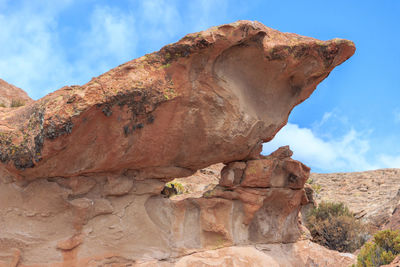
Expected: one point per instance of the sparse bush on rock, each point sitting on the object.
(382, 250)
(173, 188)
(316, 187)
(332, 225)
(17, 103)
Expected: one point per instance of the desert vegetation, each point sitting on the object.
(17, 103)
(334, 226)
(384, 247)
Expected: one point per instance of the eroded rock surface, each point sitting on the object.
(10, 93)
(82, 169)
(225, 90)
(51, 221)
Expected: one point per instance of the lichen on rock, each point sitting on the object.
(82, 169)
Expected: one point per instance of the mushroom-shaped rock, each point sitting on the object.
(214, 96)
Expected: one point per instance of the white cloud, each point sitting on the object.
(160, 20)
(346, 153)
(204, 13)
(29, 51)
(112, 37)
(32, 56)
(388, 161)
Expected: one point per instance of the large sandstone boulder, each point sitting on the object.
(212, 97)
(82, 169)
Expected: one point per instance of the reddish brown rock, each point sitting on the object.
(212, 97)
(11, 95)
(82, 169)
(300, 254)
(282, 153)
(276, 170)
(232, 174)
(131, 221)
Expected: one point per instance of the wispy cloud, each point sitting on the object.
(25, 47)
(388, 161)
(346, 153)
(332, 145)
(160, 20)
(111, 37)
(35, 57)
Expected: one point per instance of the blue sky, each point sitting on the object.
(350, 123)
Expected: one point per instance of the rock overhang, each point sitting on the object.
(225, 90)
(106, 149)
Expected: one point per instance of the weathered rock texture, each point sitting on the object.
(225, 90)
(82, 168)
(302, 253)
(372, 195)
(99, 220)
(10, 93)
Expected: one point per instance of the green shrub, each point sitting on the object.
(314, 186)
(180, 189)
(382, 250)
(2, 105)
(17, 103)
(332, 225)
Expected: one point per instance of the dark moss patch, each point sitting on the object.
(328, 53)
(278, 53)
(107, 110)
(282, 51)
(126, 130)
(150, 118)
(171, 53)
(54, 130)
(140, 102)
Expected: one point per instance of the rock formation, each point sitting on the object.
(10, 93)
(82, 169)
(372, 195)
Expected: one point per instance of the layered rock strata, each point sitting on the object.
(82, 169)
(81, 220)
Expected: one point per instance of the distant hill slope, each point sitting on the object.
(9, 92)
(372, 195)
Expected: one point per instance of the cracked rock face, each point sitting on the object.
(82, 169)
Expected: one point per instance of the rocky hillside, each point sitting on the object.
(11, 95)
(83, 170)
(372, 195)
